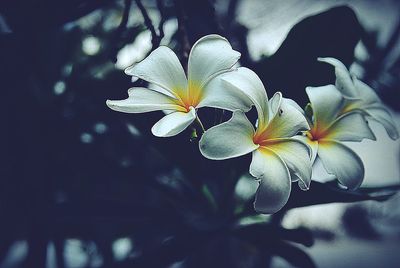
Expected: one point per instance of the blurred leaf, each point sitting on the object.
(333, 33)
(294, 255)
(254, 233)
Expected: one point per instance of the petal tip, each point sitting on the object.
(110, 104)
(266, 211)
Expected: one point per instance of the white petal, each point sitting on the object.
(274, 103)
(297, 157)
(230, 139)
(326, 102)
(162, 68)
(343, 79)
(350, 127)
(382, 116)
(209, 56)
(218, 94)
(287, 120)
(367, 94)
(342, 162)
(250, 84)
(173, 123)
(143, 100)
(294, 104)
(311, 143)
(275, 184)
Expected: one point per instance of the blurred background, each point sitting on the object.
(84, 186)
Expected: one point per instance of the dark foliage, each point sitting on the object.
(61, 177)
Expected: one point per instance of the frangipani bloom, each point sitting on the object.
(210, 57)
(329, 128)
(359, 96)
(278, 159)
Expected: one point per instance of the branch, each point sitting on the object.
(155, 39)
(125, 16)
(184, 40)
(231, 13)
(326, 193)
(121, 27)
(160, 7)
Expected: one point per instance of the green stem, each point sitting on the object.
(200, 124)
(209, 197)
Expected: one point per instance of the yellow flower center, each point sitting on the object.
(262, 135)
(316, 134)
(190, 97)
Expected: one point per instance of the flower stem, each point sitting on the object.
(199, 124)
(209, 197)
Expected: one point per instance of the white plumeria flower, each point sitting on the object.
(328, 128)
(278, 159)
(210, 57)
(359, 96)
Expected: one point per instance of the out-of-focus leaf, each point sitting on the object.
(356, 216)
(27, 15)
(254, 232)
(333, 33)
(294, 255)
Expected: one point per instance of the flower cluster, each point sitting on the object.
(285, 140)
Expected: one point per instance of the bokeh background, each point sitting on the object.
(84, 186)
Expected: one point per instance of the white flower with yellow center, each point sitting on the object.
(328, 128)
(360, 97)
(210, 57)
(278, 159)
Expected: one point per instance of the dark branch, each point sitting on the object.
(155, 39)
(122, 26)
(182, 32)
(160, 7)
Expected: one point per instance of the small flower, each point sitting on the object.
(360, 97)
(328, 128)
(278, 159)
(210, 57)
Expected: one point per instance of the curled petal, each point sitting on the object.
(287, 120)
(294, 104)
(210, 55)
(371, 104)
(350, 127)
(382, 116)
(274, 103)
(367, 94)
(162, 68)
(173, 123)
(250, 84)
(228, 140)
(341, 161)
(218, 94)
(143, 100)
(313, 145)
(297, 157)
(277, 99)
(275, 183)
(343, 79)
(326, 102)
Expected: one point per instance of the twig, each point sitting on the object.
(182, 31)
(160, 7)
(155, 40)
(231, 13)
(122, 26)
(125, 17)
